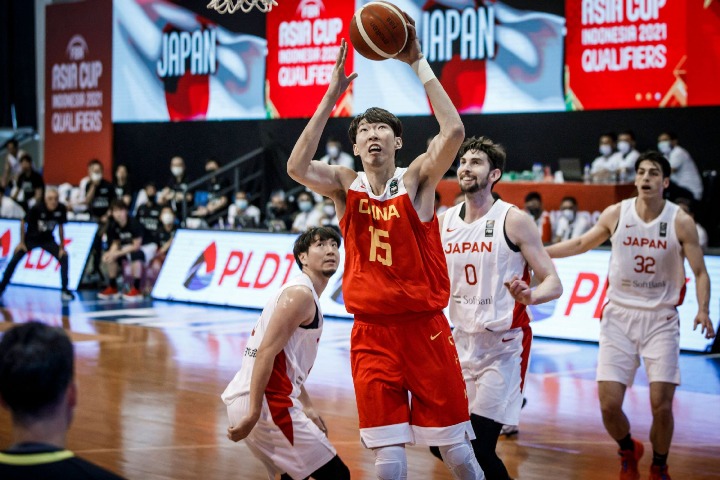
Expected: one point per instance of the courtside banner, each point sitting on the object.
(40, 269)
(627, 54)
(236, 269)
(576, 314)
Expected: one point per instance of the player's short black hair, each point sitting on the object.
(312, 235)
(36, 368)
(656, 158)
(375, 115)
(494, 151)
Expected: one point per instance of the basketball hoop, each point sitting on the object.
(232, 6)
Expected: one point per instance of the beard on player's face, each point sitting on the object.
(476, 186)
(329, 272)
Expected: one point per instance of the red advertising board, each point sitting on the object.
(626, 54)
(303, 38)
(704, 52)
(78, 81)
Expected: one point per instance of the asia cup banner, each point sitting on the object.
(627, 53)
(40, 269)
(303, 42)
(235, 269)
(78, 82)
(173, 64)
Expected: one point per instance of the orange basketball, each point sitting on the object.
(378, 30)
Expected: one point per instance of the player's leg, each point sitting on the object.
(335, 469)
(54, 249)
(390, 462)
(487, 432)
(661, 432)
(611, 395)
(137, 264)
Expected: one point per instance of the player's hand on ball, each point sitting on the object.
(519, 290)
(242, 429)
(412, 50)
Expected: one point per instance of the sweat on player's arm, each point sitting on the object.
(295, 307)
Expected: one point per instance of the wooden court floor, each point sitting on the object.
(150, 377)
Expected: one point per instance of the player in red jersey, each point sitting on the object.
(395, 280)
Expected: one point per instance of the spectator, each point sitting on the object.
(335, 156)
(604, 168)
(172, 194)
(122, 186)
(534, 208)
(307, 216)
(213, 204)
(328, 216)
(279, 217)
(99, 193)
(12, 162)
(28, 185)
(124, 238)
(241, 214)
(38, 388)
(148, 214)
(164, 239)
(37, 231)
(684, 174)
(570, 223)
(686, 205)
(9, 207)
(628, 156)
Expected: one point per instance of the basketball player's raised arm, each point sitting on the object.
(688, 237)
(295, 307)
(524, 233)
(593, 238)
(430, 166)
(319, 177)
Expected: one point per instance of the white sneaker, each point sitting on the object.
(509, 430)
(67, 295)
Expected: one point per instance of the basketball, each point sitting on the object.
(378, 30)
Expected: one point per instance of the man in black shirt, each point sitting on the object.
(215, 204)
(99, 193)
(124, 237)
(148, 214)
(176, 186)
(29, 184)
(37, 386)
(37, 231)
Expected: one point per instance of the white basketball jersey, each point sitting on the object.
(292, 365)
(480, 259)
(647, 264)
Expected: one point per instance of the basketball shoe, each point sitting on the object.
(133, 295)
(658, 472)
(629, 461)
(110, 293)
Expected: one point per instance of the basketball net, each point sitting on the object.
(232, 6)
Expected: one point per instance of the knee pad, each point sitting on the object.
(390, 463)
(460, 460)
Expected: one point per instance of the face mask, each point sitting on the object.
(96, 177)
(241, 204)
(605, 150)
(664, 146)
(167, 218)
(534, 211)
(305, 206)
(329, 210)
(624, 147)
(568, 213)
(177, 171)
(333, 151)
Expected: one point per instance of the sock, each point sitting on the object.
(113, 282)
(136, 283)
(659, 460)
(626, 443)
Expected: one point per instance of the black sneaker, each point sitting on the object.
(67, 295)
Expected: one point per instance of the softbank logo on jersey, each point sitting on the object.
(200, 274)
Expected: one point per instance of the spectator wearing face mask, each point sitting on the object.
(534, 208)
(328, 216)
(686, 206)
(307, 216)
(570, 223)
(605, 167)
(335, 156)
(122, 185)
(684, 171)
(163, 240)
(278, 215)
(242, 214)
(628, 155)
(172, 194)
(99, 193)
(148, 214)
(211, 203)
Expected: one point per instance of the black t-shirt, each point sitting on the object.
(31, 461)
(179, 186)
(163, 236)
(28, 184)
(122, 190)
(104, 195)
(41, 222)
(149, 217)
(126, 234)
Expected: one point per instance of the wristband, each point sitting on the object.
(422, 69)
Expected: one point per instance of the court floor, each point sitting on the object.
(150, 376)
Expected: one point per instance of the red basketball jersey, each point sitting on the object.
(394, 262)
